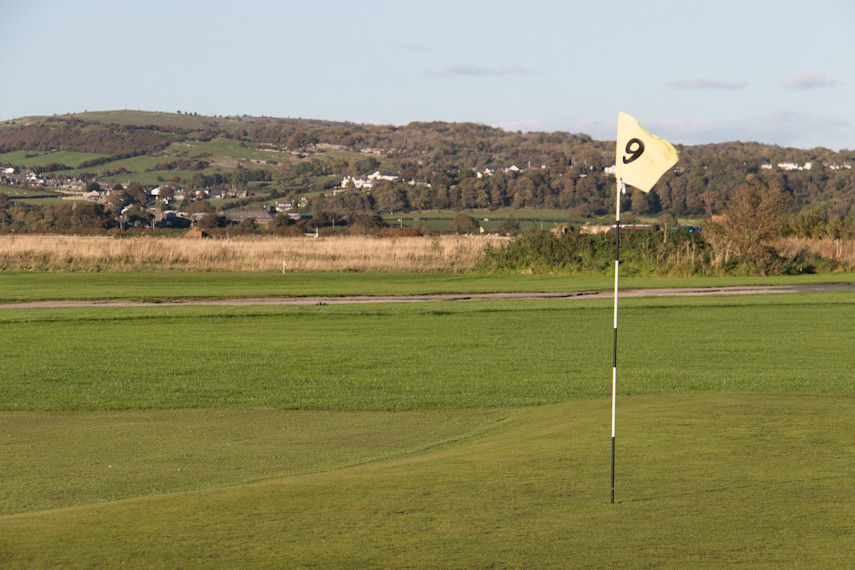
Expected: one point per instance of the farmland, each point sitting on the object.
(445, 434)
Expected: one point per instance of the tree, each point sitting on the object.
(391, 198)
(667, 221)
(88, 216)
(509, 225)
(138, 217)
(464, 224)
(639, 202)
(199, 207)
(247, 225)
(167, 193)
(118, 199)
(752, 216)
(208, 221)
(137, 193)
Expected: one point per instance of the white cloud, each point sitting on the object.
(469, 70)
(707, 83)
(803, 81)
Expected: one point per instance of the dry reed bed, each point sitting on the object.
(339, 254)
(834, 249)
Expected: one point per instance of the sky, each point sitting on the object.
(778, 71)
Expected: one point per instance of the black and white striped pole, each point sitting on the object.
(621, 189)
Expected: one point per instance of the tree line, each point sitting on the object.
(558, 170)
(741, 240)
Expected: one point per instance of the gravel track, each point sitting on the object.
(684, 292)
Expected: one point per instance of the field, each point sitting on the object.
(29, 158)
(490, 220)
(455, 254)
(443, 434)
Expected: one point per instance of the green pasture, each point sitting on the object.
(140, 169)
(501, 213)
(221, 147)
(39, 201)
(30, 158)
(441, 434)
(18, 286)
(386, 356)
(154, 177)
(19, 192)
(490, 220)
(133, 117)
(31, 196)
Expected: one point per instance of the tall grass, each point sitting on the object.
(643, 254)
(840, 250)
(448, 254)
(677, 254)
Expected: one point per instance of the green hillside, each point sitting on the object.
(440, 165)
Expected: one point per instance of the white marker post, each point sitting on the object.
(621, 189)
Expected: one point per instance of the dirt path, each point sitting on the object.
(698, 291)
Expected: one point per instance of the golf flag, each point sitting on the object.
(641, 158)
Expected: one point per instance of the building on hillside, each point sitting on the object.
(387, 176)
(358, 183)
(490, 170)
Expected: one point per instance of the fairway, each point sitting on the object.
(443, 434)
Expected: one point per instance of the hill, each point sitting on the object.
(427, 165)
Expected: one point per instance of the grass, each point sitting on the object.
(426, 435)
(383, 357)
(703, 481)
(30, 196)
(17, 286)
(29, 158)
(56, 460)
(223, 148)
(453, 254)
(183, 120)
(224, 152)
(490, 220)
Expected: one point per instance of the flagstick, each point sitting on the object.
(621, 188)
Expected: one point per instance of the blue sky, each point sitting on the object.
(778, 71)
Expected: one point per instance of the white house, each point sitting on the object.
(490, 170)
(358, 183)
(388, 176)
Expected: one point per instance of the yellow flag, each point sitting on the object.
(641, 158)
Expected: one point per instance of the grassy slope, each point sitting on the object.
(133, 117)
(703, 481)
(735, 435)
(67, 158)
(223, 152)
(55, 459)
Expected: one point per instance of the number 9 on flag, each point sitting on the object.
(641, 157)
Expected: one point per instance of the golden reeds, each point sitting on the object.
(346, 253)
(839, 250)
